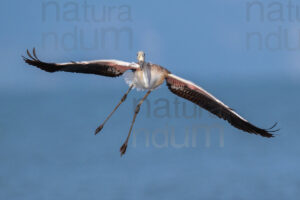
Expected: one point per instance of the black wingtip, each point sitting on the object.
(30, 59)
(33, 60)
(272, 126)
(30, 56)
(34, 53)
(269, 133)
(273, 131)
(266, 134)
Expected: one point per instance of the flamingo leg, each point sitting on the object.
(137, 109)
(121, 101)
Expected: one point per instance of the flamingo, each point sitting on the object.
(147, 76)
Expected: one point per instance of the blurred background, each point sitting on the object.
(246, 53)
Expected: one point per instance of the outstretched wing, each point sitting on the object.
(199, 96)
(111, 68)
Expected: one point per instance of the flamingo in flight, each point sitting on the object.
(147, 76)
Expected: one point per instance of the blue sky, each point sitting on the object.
(200, 40)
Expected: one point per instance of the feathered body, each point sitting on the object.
(147, 77)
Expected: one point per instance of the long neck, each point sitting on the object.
(142, 64)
